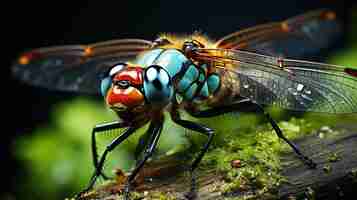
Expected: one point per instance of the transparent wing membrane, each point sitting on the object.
(75, 67)
(290, 84)
(296, 37)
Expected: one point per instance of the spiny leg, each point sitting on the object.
(246, 105)
(154, 130)
(201, 129)
(108, 149)
(100, 129)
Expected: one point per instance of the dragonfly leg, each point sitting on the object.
(201, 129)
(100, 129)
(108, 149)
(142, 144)
(246, 105)
(154, 130)
(308, 161)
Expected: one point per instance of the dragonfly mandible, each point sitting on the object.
(242, 72)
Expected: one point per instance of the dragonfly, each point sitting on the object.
(245, 71)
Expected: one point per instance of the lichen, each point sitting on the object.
(259, 152)
(154, 195)
(327, 169)
(310, 193)
(334, 157)
(353, 174)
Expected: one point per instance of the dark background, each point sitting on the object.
(32, 24)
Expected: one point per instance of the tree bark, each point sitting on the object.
(334, 178)
(336, 174)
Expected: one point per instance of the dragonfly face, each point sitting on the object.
(122, 88)
(132, 88)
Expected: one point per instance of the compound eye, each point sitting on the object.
(157, 87)
(116, 68)
(105, 85)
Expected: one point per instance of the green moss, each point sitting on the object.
(259, 150)
(159, 196)
(310, 193)
(334, 157)
(353, 174)
(148, 195)
(327, 169)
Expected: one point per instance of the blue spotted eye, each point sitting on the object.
(157, 86)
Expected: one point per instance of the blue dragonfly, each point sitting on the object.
(140, 80)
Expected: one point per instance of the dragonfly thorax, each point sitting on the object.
(191, 81)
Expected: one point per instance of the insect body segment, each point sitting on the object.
(158, 87)
(190, 80)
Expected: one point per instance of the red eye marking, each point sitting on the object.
(131, 96)
(28, 56)
(350, 71)
(128, 97)
(131, 74)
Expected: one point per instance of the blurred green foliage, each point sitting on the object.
(57, 157)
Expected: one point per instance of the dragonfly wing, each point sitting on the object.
(296, 37)
(75, 68)
(290, 84)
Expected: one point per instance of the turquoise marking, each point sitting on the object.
(204, 90)
(201, 78)
(213, 83)
(204, 67)
(191, 73)
(172, 60)
(191, 91)
(183, 85)
(190, 76)
(146, 59)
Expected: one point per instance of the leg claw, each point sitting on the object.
(126, 193)
(191, 195)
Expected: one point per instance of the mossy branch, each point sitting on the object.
(334, 177)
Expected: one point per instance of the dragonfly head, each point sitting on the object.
(127, 88)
